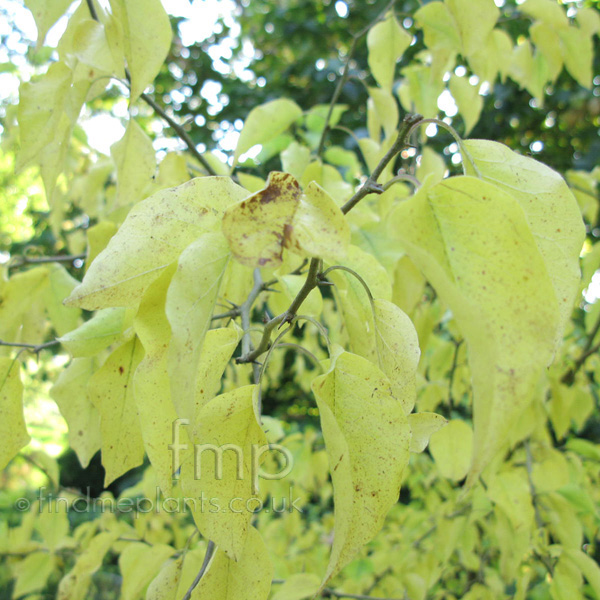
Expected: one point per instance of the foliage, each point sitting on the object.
(199, 310)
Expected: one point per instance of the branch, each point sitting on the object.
(371, 185)
(179, 130)
(19, 261)
(34, 348)
(210, 550)
(344, 78)
(313, 278)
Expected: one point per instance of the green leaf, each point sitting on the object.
(91, 47)
(70, 394)
(294, 159)
(135, 161)
(249, 578)
(228, 425)
(151, 238)
(423, 425)
(471, 240)
(387, 42)
(510, 491)
(145, 34)
(359, 414)
(452, 449)
(12, 423)
(266, 122)
(551, 211)
(190, 303)
(45, 14)
(382, 113)
(111, 392)
(547, 41)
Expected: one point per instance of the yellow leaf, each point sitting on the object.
(546, 11)
(452, 449)
(423, 425)
(397, 351)
(358, 415)
(298, 587)
(45, 14)
(70, 394)
(587, 565)
(551, 211)
(145, 33)
(166, 584)
(190, 303)
(547, 41)
(152, 387)
(249, 578)
(219, 345)
(490, 60)
(472, 241)
(382, 113)
(41, 103)
(138, 564)
(222, 472)
(12, 423)
(310, 224)
(60, 285)
(111, 392)
(266, 122)
(386, 41)
(91, 47)
(32, 573)
(74, 585)
(510, 491)
(106, 327)
(578, 53)
(475, 21)
(135, 160)
(468, 100)
(439, 26)
(151, 238)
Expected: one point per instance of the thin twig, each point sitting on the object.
(569, 377)
(34, 348)
(344, 78)
(210, 550)
(19, 261)
(178, 129)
